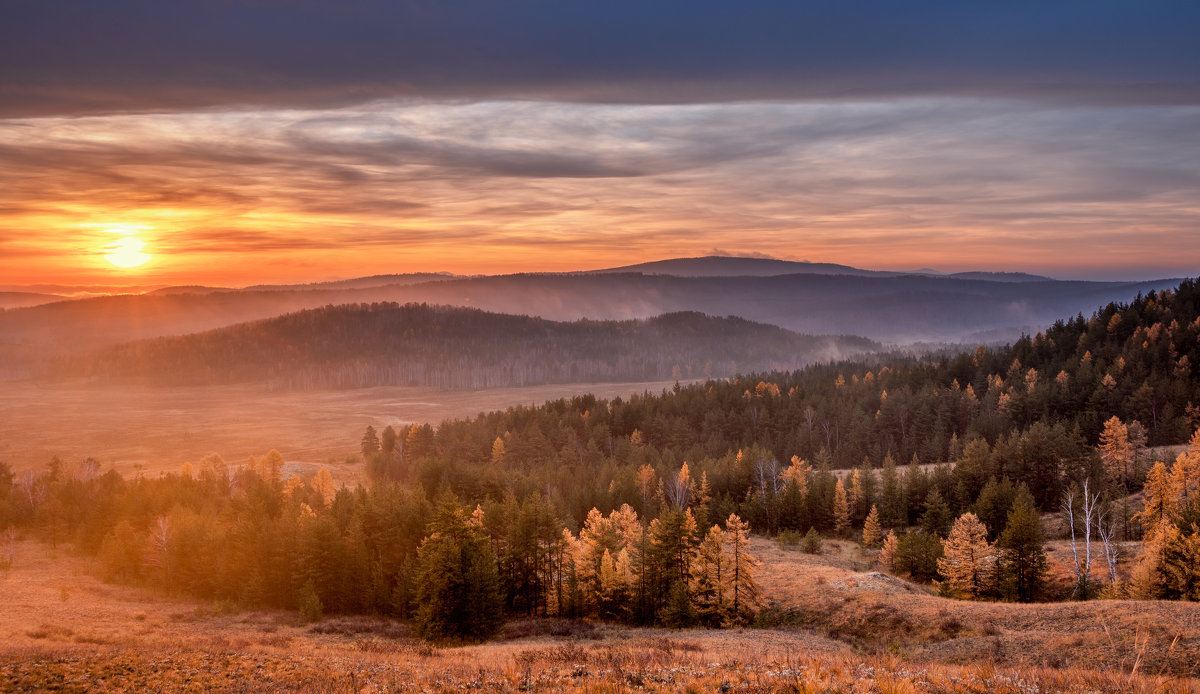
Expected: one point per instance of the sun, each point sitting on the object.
(127, 252)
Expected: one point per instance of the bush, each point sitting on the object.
(310, 603)
(812, 542)
(788, 538)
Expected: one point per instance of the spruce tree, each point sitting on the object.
(458, 589)
(1022, 555)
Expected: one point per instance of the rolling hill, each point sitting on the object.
(898, 309)
(388, 344)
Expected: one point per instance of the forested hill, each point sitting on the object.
(363, 345)
(1037, 407)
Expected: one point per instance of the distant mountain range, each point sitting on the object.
(388, 344)
(834, 300)
(726, 266)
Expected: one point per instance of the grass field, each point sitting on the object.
(849, 631)
(157, 429)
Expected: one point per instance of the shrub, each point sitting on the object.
(812, 542)
(788, 538)
(310, 603)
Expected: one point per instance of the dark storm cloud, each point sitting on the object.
(83, 55)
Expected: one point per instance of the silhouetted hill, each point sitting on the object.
(733, 266)
(388, 344)
(899, 309)
(1000, 276)
(190, 289)
(24, 299)
(360, 282)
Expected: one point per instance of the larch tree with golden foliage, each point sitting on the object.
(887, 553)
(968, 557)
(1169, 563)
(711, 578)
(743, 587)
(1116, 453)
(841, 509)
(872, 531)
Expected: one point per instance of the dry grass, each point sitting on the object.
(877, 613)
(118, 639)
(157, 429)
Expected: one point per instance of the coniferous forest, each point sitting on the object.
(363, 345)
(639, 510)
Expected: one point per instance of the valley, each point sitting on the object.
(154, 430)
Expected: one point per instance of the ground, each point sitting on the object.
(843, 627)
(156, 429)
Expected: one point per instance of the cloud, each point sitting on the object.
(76, 56)
(480, 186)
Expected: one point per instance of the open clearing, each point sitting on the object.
(854, 631)
(156, 429)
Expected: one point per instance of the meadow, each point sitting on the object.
(155, 430)
(839, 626)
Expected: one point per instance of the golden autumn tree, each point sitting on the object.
(841, 509)
(743, 587)
(711, 578)
(322, 483)
(967, 558)
(872, 531)
(887, 554)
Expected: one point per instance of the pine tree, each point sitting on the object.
(917, 555)
(388, 441)
(872, 532)
(892, 511)
(967, 557)
(458, 589)
(498, 450)
(370, 443)
(1022, 554)
(936, 517)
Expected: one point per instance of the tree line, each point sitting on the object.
(246, 536)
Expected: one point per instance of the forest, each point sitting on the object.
(362, 345)
(638, 510)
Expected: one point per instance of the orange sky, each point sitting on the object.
(230, 197)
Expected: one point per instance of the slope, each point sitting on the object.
(364, 345)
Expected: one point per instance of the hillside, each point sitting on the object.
(1036, 407)
(891, 309)
(64, 626)
(388, 344)
(733, 266)
(24, 299)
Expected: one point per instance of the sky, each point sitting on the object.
(234, 143)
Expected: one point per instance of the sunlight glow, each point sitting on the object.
(127, 252)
